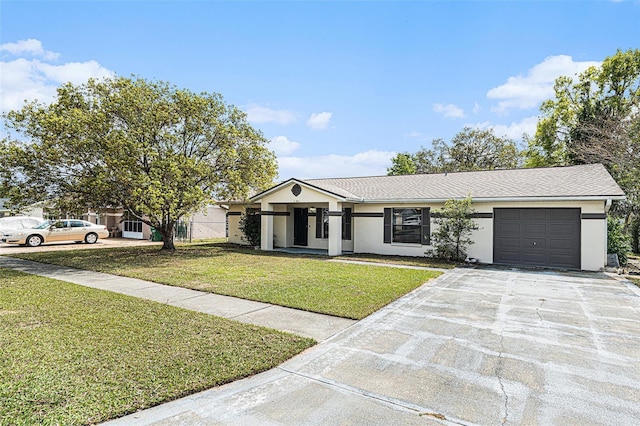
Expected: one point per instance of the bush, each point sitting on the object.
(451, 239)
(617, 241)
(250, 228)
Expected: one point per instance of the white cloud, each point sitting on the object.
(29, 47)
(368, 163)
(418, 135)
(476, 108)
(281, 145)
(260, 114)
(25, 79)
(528, 91)
(449, 111)
(319, 121)
(515, 130)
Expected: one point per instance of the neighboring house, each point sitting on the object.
(207, 223)
(34, 210)
(553, 217)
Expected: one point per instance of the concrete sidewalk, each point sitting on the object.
(317, 326)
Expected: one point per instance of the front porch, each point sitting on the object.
(320, 228)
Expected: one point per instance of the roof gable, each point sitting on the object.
(328, 190)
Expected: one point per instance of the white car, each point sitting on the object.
(57, 230)
(12, 223)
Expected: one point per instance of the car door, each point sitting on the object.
(78, 230)
(59, 231)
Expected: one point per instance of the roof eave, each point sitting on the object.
(497, 199)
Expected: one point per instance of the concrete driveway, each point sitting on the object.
(475, 346)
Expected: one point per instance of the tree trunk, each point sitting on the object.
(167, 244)
(167, 238)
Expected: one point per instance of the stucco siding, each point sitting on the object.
(368, 231)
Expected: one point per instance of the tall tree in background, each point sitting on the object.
(470, 149)
(595, 120)
(157, 151)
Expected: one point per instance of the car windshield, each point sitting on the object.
(44, 224)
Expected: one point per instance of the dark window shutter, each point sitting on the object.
(346, 224)
(319, 223)
(387, 226)
(426, 226)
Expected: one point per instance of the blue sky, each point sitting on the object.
(338, 87)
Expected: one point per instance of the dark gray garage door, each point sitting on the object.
(538, 237)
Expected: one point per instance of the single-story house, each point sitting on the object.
(550, 217)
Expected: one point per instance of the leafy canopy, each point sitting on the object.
(158, 151)
(470, 149)
(595, 119)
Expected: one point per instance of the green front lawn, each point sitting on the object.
(75, 355)
(304, 282)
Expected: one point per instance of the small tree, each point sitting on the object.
(451, 239)
(250, 228)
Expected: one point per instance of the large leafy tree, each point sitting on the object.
(470, 149)
(595, 119)
(155, 150)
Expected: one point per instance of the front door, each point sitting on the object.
(300, 226)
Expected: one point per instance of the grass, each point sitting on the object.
(75, 355)
(303, 282)
(423, 262)
(636, 281)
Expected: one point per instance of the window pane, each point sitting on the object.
(325, 223)
(406, 225)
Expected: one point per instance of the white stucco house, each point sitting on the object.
(551, 217)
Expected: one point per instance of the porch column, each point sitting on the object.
(335, 229)
(266, 226)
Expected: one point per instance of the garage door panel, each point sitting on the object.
(533, 243)
(533, 214)
(561, 245)
(509, 243)
(566, 230)
(535, 229)
(563, 215)
(537, 237)
(508, 214)
(509, 228)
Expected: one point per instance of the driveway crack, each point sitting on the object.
(498, 375)
(419, 410)
(540, 307)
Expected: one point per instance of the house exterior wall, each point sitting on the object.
(209, 223)
(234, 214)
(368, 231)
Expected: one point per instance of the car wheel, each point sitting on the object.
(34, 240)
(91, 238)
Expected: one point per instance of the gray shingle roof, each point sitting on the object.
(576, 182)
